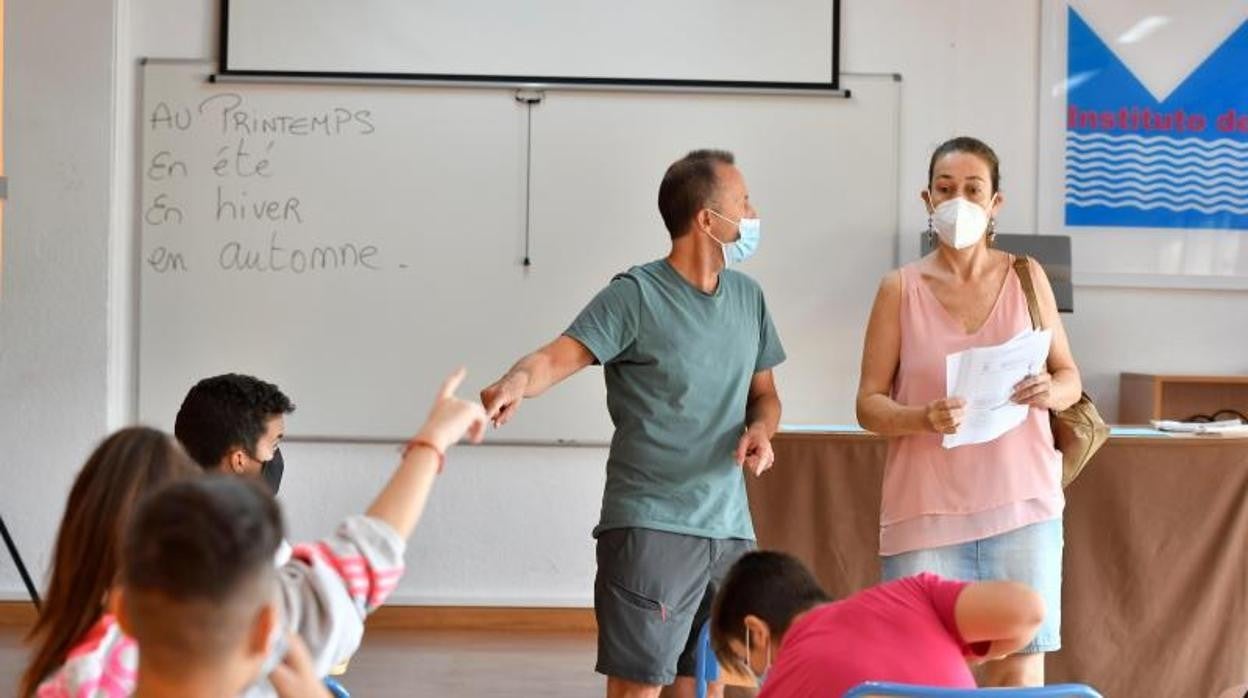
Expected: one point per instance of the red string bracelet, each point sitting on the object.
(423, 443)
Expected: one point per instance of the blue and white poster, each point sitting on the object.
(1143, 140)
(1156, 119)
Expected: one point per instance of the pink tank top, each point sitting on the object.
(935, 496)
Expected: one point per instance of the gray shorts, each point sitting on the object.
(652, 594)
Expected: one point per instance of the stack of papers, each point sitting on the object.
(1225, 426)
(985, 377)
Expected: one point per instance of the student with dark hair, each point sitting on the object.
(87, 555)
(688, 348)
(773, 621)
(234, 423)
(198, 589)
(327, 588)
(197, 593)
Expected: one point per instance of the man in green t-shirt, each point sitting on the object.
(687, 348)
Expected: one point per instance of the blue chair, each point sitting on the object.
(706, 667)
(335, 689)
(1069, 690)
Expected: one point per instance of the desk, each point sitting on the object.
(1143, 397)
(1155, 597)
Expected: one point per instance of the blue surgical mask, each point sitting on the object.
(746, 244)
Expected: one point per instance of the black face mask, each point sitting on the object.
(271, 471)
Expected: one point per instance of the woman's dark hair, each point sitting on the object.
(971, 146)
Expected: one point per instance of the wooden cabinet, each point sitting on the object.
(1145, 396)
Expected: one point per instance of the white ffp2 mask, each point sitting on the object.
(960, 223)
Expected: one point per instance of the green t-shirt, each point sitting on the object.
(678, 364)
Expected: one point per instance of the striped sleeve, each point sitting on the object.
(330, 586)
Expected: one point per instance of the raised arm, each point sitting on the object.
(329, 586)
(402, 501)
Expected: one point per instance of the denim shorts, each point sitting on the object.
(1031, 555)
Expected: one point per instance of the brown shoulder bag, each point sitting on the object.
(1078, 430)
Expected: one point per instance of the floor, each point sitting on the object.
(445, 663)
(452, 664)
(448, 664)
(12, 659)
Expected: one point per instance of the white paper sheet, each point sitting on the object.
(985, 377)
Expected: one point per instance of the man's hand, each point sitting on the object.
(502, 399)
(754, 450)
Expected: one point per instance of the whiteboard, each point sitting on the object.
(647, 40)
(399, 257)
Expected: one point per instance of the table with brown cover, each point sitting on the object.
(1155, 591)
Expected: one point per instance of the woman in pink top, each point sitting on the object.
(981, 511)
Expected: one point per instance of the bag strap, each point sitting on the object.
(1022, 267)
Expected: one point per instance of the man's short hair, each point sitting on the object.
(197, 567)
(226, 412)
(687, 186)
(773, 586)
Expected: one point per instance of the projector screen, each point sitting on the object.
(664, 43)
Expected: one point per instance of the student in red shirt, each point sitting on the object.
(772, 620)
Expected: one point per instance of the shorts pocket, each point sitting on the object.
(638, 601)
